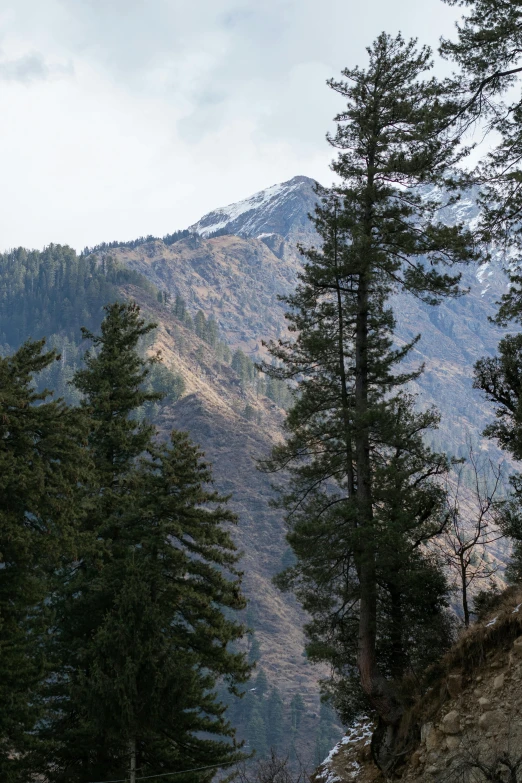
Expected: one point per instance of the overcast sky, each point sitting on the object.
(127, 117)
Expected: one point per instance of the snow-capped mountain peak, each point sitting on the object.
(280, 209)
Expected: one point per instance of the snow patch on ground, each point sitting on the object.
(463, 208)
(482, 271)
(359, 731)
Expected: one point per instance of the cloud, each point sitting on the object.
(175, 108)
(31, 68)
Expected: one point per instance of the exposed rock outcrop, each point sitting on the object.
(468, 722)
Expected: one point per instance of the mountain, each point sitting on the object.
(454, 334)
(228, 270)
(279, 211)
(237, 275)
(236, 279)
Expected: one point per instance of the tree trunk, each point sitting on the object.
(380, 692)
(132, 754)
(366, 659)
(463, 576)
(344, 384)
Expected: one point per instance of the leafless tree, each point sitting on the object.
(276, 769)
(474, 488)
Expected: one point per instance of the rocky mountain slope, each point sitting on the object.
(212, 410)
(466, 727)
(242, 257)
(235, 279)
(279, 211)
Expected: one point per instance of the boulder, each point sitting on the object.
(484, 703)
(451, 723)
(426, 730)
(434, 740)
(498, 682)
(490, 721)
(452, 742)
(517, 647)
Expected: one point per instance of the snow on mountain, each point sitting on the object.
(280, 209)
(248, 208)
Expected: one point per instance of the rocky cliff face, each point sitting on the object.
(467, 726)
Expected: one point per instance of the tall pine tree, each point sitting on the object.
(142, 617)
(500, 378)
(488, 49)
(42, 468)
(362, 499)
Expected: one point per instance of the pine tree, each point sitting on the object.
(244, 366)
(297, 707)
(141, 636)
(170, 385)
(261, 684)
(362, 498)
(500, 378)
(254, 652)
(180, 308)
(488, 50)
(212, 332)
(275, 721)
(42, 468)
(256, 732)
(200, 324)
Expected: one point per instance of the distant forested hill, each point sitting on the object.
(56, 291)
(52, 294)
